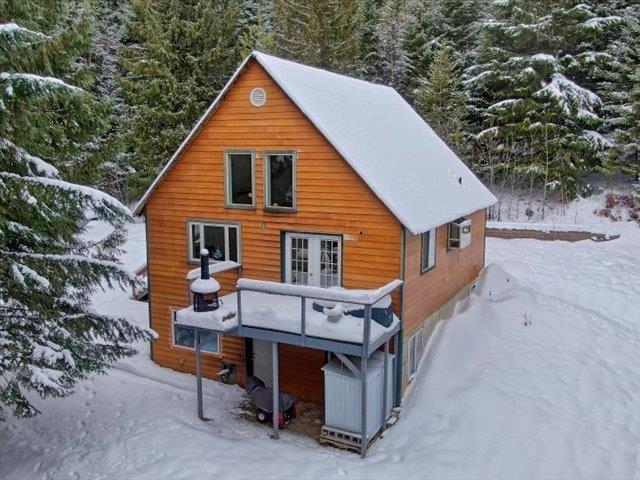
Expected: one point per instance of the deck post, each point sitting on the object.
(363, 375)
(385, 387)
(397, 347)
(199, 375)
(303, 319)
(239, 310)
(276, 389)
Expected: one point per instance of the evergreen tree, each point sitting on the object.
(177, 56)
(628, 135)
(50, 336)
(367, 59)
(535, 101)
(395, 62)
(423, 30)
(442, 99)
(321, 33)
(256, 25)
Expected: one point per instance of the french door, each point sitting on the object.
(314, 260)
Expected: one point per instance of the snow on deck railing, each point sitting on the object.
(361, 297)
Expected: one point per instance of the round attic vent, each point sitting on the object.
(258, 97)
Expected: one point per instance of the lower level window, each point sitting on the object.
(219, 239)
(415, 350)
(186, 337)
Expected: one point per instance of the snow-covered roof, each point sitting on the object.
(402, 160)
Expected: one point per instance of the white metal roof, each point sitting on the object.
(413, 172)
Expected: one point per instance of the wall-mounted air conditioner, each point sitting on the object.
(460, 233)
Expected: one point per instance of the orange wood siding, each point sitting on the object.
(425, 293)
(331, 198)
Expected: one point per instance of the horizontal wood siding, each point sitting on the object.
(425, 293)
(331, 198)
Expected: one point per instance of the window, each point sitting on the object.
(415, 350)
(186, 337)
(221, 240)
(280, 181)
(428, 257)
(239, 179)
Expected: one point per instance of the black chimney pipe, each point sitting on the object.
(204, 264)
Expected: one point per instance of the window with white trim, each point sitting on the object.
(222, 241)
(185, 337)
(415, 348)
(239, 174)
(428, 256)
(280, 191)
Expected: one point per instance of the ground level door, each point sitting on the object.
(262, 361)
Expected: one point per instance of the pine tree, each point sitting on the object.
(50, 336)
(256, 25)
(177, 56)
(395, 62)
(367, 59)
(627, 149)
(532, 96)
(423, 31)
(442, 99)
(321, 33)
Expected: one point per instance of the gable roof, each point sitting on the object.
(400, 158)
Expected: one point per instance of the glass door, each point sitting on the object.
(314, 260)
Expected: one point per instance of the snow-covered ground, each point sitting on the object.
(541, 378)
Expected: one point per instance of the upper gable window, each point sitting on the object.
(239, 168)
(428, 257)
(221, 240)
(280, 177)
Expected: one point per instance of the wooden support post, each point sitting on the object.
(364, 439)
(276, 389)
(199, 375)
(385, 387)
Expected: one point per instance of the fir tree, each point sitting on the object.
(177, 56)
(368, 61)
(50, 336)
(627, 149)
(535, 102)
(395, 62)
(442, 99)
(321, 33)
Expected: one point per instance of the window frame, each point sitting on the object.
(174, 326)
(267, 181)
(228, 197)
(211, 223)
(413, 360)
(451, 225)
(429, 267)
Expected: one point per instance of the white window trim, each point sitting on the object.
(432, 253)
(267, 182)
(227, 179)
(226, 227)
(172, 316)
(314, 263)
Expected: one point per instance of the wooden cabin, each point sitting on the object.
(303, 177)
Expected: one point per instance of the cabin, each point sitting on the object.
(310, 231)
